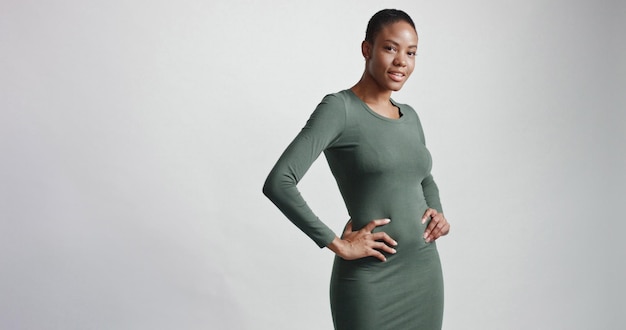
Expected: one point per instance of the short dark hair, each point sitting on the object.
(384, 18)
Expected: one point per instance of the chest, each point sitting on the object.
(382, 149)
(385, 149)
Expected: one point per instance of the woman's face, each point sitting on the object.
(391, 59)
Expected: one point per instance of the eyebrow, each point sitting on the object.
(397, 44)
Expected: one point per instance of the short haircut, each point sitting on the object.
(382, 19)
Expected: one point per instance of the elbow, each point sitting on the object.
(268, 188)
(271, 187)
(277, 185)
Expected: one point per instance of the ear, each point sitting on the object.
(366, 49)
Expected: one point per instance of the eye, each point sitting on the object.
(390, 48)
(412, 54)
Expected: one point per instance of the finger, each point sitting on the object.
(384, 247)
(444, 230)
(442, 226)
(382, 236)
(428, 214)
(436, 232)
(375, 223)
(431, 226)
(377, 255)
(439, 231)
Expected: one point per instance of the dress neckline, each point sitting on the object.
(376, 114)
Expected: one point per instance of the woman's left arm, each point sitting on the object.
(438, 225)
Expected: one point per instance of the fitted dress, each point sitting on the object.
(382, 169)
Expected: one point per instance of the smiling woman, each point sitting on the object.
(386, 273)
(390, 59)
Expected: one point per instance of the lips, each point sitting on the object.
(396, 76)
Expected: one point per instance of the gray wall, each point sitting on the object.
(135, 137)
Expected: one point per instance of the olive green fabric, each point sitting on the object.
(382, 168)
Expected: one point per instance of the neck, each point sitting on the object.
(368, 90)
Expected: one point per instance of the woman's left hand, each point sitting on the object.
(437, 227)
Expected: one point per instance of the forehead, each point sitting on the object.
(400, 32)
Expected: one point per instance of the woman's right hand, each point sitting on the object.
(363, 243)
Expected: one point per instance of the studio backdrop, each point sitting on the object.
(135, 137)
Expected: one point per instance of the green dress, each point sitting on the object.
(382, 168)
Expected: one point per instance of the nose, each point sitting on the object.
(400, 59)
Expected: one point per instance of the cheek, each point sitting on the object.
(410, 67)
(377, 65)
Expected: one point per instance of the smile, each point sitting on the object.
(396, 76)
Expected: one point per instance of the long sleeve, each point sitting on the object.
(323, 128)
(431, 191)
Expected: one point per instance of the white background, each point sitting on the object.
(135, 137)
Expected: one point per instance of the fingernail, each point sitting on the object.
(395, 243)
(393, 250)
(423, 220)
(428, 240)
(425, 234)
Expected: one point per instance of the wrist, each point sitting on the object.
(338, 246)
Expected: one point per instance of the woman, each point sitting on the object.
(386, 273)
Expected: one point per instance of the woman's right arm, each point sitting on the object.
(323, 130)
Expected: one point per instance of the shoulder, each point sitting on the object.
(330, 111)
(333, 105)
(336, 100)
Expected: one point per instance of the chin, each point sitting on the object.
(396, 88)
(395, 85)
